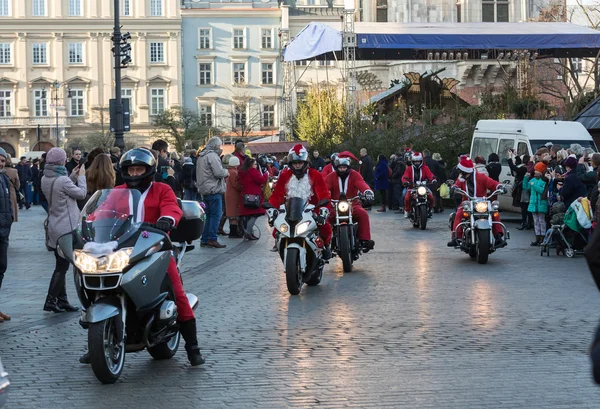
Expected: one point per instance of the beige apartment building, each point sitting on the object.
(56, 59)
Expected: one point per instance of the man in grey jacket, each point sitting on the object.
(210, 177)
(6, 219)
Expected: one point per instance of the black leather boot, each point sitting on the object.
(188, 332)
(51, 303)
(63, 301)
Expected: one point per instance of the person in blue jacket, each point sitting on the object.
(382, 180)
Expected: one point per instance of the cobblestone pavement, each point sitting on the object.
(416, 325)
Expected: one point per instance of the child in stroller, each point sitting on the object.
(568, 230)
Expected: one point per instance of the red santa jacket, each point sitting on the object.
(319, 189)
(328, 169)
(158, 201)
(423, 174)
(480, 184)
(352, 185)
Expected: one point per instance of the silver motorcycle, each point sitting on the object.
(298, 242)
(121, 278)
(4, 386)
(478, 238)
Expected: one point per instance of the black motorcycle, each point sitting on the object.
(345, 241)
(419, 205)
(121, 278)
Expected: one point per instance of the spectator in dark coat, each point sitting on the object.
(573, 188)
(6, 220)
(35, 176)
(398, 167)
(317, 162)
(25, 174)
(520, 197)
(587, 174)
(366, 167)
(440, 174)
(382, 180)
(494, 167)
(75, 159)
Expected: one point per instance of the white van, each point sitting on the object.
(525, 137)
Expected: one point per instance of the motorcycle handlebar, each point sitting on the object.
(462, 192)
(348, 200)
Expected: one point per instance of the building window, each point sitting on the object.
(267, 73)
(5, 104)
(77, 105)
(268, 116)
(39, 8)
(576, 65)
(204, 38)
(238, 38)
(239, 73)
(324, 63)
(204, 73)
(126, 11)
(4, 8)
(205, 112)
(382, 11)
(41, 102)
(75, 53)
(127, 93)
(40, 54)
(157, 102)
(302, 63)
(5, 53)
(156, 7)
(494, 11)
(157, 52)
(75, 8)
(266, 38)
(239, 116)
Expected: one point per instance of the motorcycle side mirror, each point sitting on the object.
(449, 182)
(323, 202)
(506, 182)
(267, 205)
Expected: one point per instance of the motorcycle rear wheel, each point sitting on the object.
(483, 246)
(293, 274)
(167, 349)
(345, 251)
(107, 353)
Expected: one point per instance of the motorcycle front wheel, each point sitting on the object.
(344, 248)
(293, 274)
(483, 246)
(107, 352)
(422, 217)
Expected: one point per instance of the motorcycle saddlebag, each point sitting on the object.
(191, 225)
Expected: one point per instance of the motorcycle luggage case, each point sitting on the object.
(191, 225)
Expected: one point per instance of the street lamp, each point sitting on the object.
(56, 86)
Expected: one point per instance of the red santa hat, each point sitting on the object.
(347, 154)
(416, 157)
(465, 164)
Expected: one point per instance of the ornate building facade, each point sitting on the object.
(56, 68)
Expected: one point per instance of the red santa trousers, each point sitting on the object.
(407, 200)
(496, 228)
(184, 310)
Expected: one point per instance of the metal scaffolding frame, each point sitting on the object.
(349, 44)
(288, 85)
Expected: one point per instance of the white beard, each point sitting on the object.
(299, 188)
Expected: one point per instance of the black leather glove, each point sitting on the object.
(164, 224)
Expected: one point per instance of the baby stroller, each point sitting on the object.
(566, 234)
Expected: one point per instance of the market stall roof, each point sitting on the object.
(400, 40)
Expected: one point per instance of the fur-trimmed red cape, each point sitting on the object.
(317, 182)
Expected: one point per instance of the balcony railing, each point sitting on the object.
(33, 121)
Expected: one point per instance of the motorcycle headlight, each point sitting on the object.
(421, 190)
(481, 207)
(283, 228)
(495, 205)
(302, 227)
(112, 263)
(343, 207)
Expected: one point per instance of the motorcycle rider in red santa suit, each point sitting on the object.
(350, 182)
(476, 184)
(417, 172)
(138, 167)
(298, 180)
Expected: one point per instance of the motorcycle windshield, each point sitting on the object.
(111, 216)
(294, 207)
